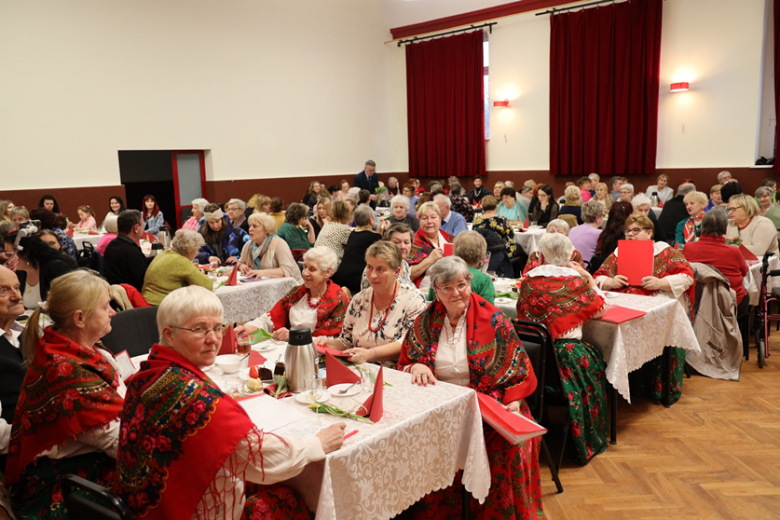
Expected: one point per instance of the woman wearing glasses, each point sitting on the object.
(748, 227)
(672, 278)
(463, 340)
(186, 449)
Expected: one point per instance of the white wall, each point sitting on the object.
(768, 120)
(272, 88)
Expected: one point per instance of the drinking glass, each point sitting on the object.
(365, 379)
(532, 224)
(244, 343)
(314, 384)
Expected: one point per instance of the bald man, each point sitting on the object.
(12, 368)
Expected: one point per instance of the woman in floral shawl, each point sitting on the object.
(561, 295)
(318, 304)
(555, 226)
(186, 449)
(464, 340)
(672, 278)
(67, 416)
(428, 245)
(499, 225)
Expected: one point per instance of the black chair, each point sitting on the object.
(538, 344)
(80, 499)
(595, 263)
(134, 330)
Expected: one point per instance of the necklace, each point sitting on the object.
(314, 304)
(384, 318)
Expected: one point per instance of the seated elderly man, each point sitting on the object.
(235, 209)
(472, 248)
(12, 367)
(451, 222)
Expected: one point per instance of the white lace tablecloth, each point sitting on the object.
(753, 279)
(529, 240)
(80, 238)
(245, 302)
(628, 346)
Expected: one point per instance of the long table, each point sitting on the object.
(247, 301)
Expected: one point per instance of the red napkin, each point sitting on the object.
(332, 352)
(150, 237)
(69, 232)
(618, 314)
(337, 373)
(448, 249)
(93, 233)
(373, 407)
(271, 390)
(747, 253)
(513, 427)
(256, 358)
(229, 343)
(233, 279)
(635, 260)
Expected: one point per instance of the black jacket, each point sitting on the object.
(364, 182)
(475, 195)
(351, 268)
(12, 371)
(124, 262)
(48, 272)
(674, 211)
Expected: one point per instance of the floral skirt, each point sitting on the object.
(275, 502)
(38, 495)
(648, 381)
(584, 384)
(515, 485)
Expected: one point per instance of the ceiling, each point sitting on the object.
(399, 13)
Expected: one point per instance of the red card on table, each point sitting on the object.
(93, 233)
(337, 372)
(256, 358)
(747, 253)
(373, 407)
(332, 351)
(229, 343)
(448, 249)
(618, 314)
(510, 425)
(233, 279)
(635, 260)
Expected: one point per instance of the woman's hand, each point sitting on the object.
(245, 329)
(215, 259)
(321, 341)
(361, 355)
(244, 268)
(514, 406)
(282, 334)
(332, 437)
(254, 273)
(231, 260)
(422, 375)
(436, 255)
(618, 282)
(383, 225)
(651, 283)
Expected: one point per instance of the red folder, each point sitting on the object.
(448, 249)
(229, 343)
(338, 373)
(512, 426)
(374, 407)
(618, 314)
(635, 260)
(749, 256)
(332, 351)
(233, 278)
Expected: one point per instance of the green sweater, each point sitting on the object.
(170, 271)
(295, 237)
(481, 284)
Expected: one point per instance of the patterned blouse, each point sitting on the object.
(334, 236)
(500, 226)
(461, 205)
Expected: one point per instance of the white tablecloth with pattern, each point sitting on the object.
(753, 279)
(80, 238)
(529, 240)
(245, 302)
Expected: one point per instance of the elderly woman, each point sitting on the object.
(392, 189)
(715, 197)
(400, 206)
(563, 296)
(401, 235)
(748, 227)
(428, 245)
(544, 206)
(497, 187)
(265, 254)
(297, 231)
(536, 259)
(174, 268)
(222, 242)
(472, 248)
(585, 237)
(496, 223)
(464, 340)
(236, 209)
(573, 206)
(662, 190)
(509, 208)
(602, 195)
(626, 192)
(336, 231)
(195, 425)
(51, 221)
(764, 195)
(67, 417)
(353, 264)
(318, 304)
(110, 228)
(37, 268)
(379, 317)
(689, 230)
(672, 278)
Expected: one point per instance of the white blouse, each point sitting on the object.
(452, 361)
(301, 314)
(32, 296)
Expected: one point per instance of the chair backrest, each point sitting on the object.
(298, 254)
(595, 263)
(80, 495)
(537, 342)
(84, 256)
(571, 220)
(134, 330)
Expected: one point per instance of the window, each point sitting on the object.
(486, 82)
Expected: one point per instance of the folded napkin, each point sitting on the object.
(617, 314)
(332, 352)
(93, 233)
(256, 358)
(337, 372)
(271, 390)
(150, 237)
(69, 232)
(233, 278)
(373, 408)
(229, 343)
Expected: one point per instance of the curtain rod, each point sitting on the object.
(470, 28)
(564, 9)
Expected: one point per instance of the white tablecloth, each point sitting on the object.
(245, 302)
(529, 240)
(753, 279)
(80, 238)
(657, 211)
(628, 346)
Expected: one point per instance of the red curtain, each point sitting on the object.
(604, 72)
(445, 107)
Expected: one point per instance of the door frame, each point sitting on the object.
(202, 160)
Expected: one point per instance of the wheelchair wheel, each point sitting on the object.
(761, 347)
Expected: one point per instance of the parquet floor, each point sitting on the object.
(713, 455)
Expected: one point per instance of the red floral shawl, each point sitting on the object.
(177, 431)
(562, 303)
(69, 389)
(330, 311)
(498, 364)
(533, 260)
(422, 247)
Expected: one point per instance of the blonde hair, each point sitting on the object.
(572, 193)
(696, 196)
(4, 209)
(428, 206)
(748, 203)
(265, 220)
(386, 251)
(76, 291)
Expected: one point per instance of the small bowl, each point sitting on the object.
(229, 363)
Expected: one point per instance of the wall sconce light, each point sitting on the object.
(680, 87)
(501, 104)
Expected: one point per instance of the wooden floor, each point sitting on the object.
(713, 455)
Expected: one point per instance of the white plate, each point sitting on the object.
(343, 386)
(206, 369)
(267, 345)
(303, 397)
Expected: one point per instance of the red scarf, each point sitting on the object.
(498, 364)
(422, 247)
(330, 312)
(69, 389)
(534, 260)
(177, 431)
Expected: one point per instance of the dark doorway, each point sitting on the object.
(149, 172)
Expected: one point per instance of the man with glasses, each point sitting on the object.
(674, 212)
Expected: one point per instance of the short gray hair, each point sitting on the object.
(572, 193)
(324, 256)
(594, 176)
(370, 163)
(447, 269)
(179, 306)
(627, 186)
(560, 224)
(110, 224)
(436, 186)
(185, 241)
(363, 216)
(401, 199)
(241, 204)
(714, 223)
(720, 175)
(764, 190)
(592, 210)
(471, 247)
(201, 204)
(685, 188)
(509, 184)
(443, 199)
(556, 249)
(640, 199)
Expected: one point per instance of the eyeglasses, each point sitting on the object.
(202, 333)
(449, 289)
(733, 209)
(636, 231)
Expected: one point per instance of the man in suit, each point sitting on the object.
(124, 262)
(368, 180)
(674, 211)
(12, 369)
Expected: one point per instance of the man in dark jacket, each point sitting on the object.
(674, 211)
(368, 180)
(124, 262)
(12, 369)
